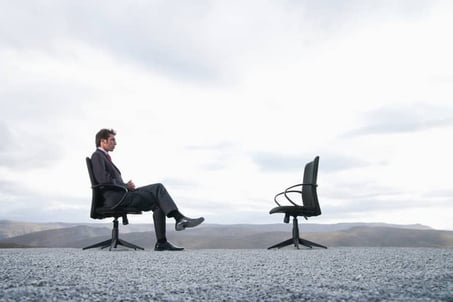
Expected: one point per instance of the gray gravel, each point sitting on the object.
(336, 274)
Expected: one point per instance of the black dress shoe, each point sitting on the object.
(167, 246)
(188, 223)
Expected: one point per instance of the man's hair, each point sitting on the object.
(103, 134)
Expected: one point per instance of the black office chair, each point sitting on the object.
(98, 211)
(309, 208)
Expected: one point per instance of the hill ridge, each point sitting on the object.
(238, 236)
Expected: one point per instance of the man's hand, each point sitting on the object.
(130, 185)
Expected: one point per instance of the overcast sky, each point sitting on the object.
(225, 102)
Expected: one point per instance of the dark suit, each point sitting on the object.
(153, 197)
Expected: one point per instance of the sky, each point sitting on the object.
(224, 102)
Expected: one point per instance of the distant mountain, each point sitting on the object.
(10, 228)
(61, 237)
(13, 246)
(388, 236)
(241, 236)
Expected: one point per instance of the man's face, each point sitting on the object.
(108, 144)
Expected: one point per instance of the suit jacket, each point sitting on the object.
(105, 172)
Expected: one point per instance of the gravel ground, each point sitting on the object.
(336, 274)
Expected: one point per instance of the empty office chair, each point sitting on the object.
(98, 211)
(309, 207)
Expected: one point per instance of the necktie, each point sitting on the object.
(108, 156)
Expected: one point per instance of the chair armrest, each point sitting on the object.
(284, 193)
(287, 197)
(289, 190)
(110, 187)
(114, 188)
(300, 185)
(275, 198)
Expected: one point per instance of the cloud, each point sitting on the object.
(22, 202)
(405, 119)
(26, 151)
(11, 188)
(274, 162)
(193, 41)
(5, 138)
(141, 32)
(220, 146)
(217, 155)
(329, 162)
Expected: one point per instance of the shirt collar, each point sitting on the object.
(99, 148)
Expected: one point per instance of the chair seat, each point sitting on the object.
(295, 211)
(108, 212)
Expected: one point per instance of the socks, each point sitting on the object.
(176, 215)
(162, 240)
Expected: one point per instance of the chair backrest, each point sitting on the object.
(97, 199)
(309, 193)
(90, 172)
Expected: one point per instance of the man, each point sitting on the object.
(153, 197)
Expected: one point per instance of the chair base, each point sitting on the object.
(114, 241)
(301, 241)
(296, 240)
(113, 244)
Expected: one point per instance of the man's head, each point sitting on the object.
(105, 139)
